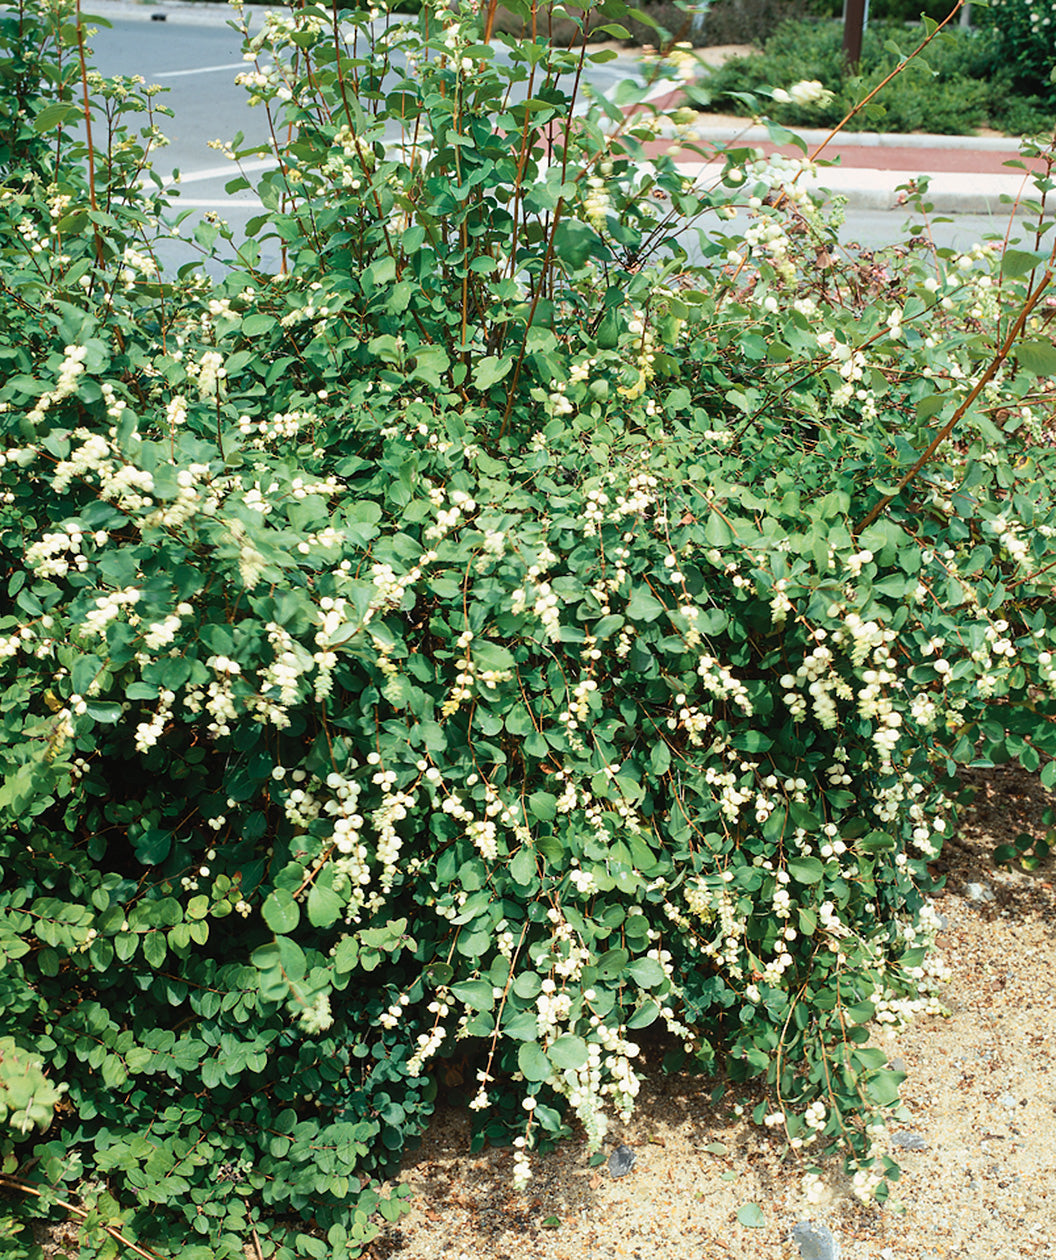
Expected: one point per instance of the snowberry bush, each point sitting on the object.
(479, 635)
(1023, 30)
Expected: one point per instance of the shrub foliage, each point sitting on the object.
(965, 79)
(1023, 31)
(475, 637)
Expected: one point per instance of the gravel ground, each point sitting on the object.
(981, 1097)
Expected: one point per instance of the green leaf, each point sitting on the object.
(1037, 357)
(523, 868)
(533, 1062)
(477, 994)
(280, 911)
(751, 1216)
(155, 948)
(883, 1088)
(860, 1012)
(489, 371)
(153, 846)
(607, 626)
(575, 242)
(58, 114)
(197, 908)
(429, 363)
(642, 606)
(1019, 262)
(256, 325)
(324, 906)
(717, 531)
(568, 1052)
(543, 805)
(612, 964)
(107, 713)
(806, 870)
(647, 972)
(489, 655)
(876, 842)
(309, 1246)
(930, 405)
(378, 274)
(660, 757)
(292, 959)
(645, 1016)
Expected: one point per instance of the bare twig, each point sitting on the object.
(14, 1183)
(856, 109)
(88, 134)
(1033, 298)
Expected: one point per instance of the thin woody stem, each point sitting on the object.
(856, 109)
(88, 134)
(1033, 298)
(24, 1187)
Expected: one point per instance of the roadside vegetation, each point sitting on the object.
(482, 634)
(965, 81)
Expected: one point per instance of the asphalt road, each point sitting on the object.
(196, 57)
(196, 64)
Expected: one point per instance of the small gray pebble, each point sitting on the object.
(941, 923)
(815, 1242)
(621, 1161)
(1007, 1100)
(908, 1140)
(897, 1065)
(979, 892)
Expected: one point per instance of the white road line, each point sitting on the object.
(228, 204)
(179, 74)
(229, 172)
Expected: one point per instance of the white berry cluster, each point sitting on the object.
(120, 482)
(70, 372)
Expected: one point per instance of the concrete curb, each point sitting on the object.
(948, 193)
(870, 139)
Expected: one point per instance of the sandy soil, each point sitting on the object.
(981, 1102)
(981, 1098)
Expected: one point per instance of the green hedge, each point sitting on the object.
(961, 83)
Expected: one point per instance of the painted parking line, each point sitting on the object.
(179, 74)
(232, 171)
(225, 203)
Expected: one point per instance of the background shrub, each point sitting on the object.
(1025, 33)
(748, 21)
(959, 85)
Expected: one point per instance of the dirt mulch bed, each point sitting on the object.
(981, 1098)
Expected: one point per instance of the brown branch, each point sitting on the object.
(885, 81)
(531, 315)
(489, 21)
(88, 134)
(1033, 298)
(14, 1183)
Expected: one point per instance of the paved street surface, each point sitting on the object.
(195, 55)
